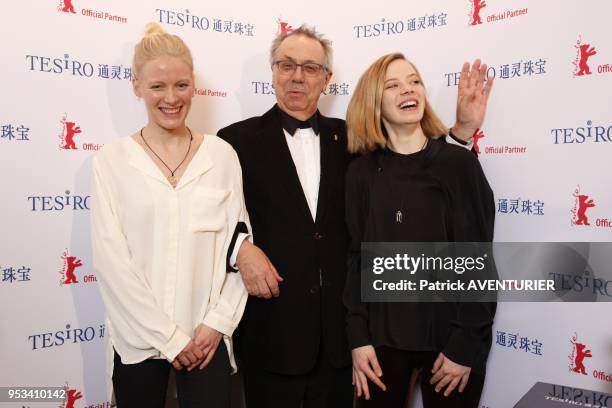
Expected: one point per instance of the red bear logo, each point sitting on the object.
(73, 395)
(581, 354)
(284, 27)
(583, 204)
(68, 7)
(71, 263)
(478, 5)
(585, 54)
(71, 131)
(478, 134)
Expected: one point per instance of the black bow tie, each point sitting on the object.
(291, 124)
(303, 124)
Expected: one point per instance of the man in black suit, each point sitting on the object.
(291, 341)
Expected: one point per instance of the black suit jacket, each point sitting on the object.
(285, 334)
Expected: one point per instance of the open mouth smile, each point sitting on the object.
(409, 105)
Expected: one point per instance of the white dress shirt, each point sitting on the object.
(160, 253)
(305, 150)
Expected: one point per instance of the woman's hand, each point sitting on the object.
(446, 372)
(207, 339)
(365, 366)
(189, 357)
(472, 99)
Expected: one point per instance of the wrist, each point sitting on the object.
(244, 248)
(462, 134)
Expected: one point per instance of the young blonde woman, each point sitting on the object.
(167, 201)
(441, 194)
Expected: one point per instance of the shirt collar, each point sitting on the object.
(291, 124)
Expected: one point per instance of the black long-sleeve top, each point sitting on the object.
(444, 196)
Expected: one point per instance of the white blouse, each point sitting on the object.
(160, 253)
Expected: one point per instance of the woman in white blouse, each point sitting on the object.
(166, 204)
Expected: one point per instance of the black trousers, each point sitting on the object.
(144, 384)
(398, 365)
(323, 387)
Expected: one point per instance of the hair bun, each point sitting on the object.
(153, 29)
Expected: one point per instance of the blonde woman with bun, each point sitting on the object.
(167, 208)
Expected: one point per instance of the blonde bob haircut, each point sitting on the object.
(158, 43)
(363, 117)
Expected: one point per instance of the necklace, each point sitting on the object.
(399, 216)
(171, 178)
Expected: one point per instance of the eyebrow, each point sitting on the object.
(286, 57)
(395, 79)
(163, 81)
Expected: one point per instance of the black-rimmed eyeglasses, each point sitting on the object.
(287, 67)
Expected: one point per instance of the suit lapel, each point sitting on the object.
(329, 146)
(282, 162)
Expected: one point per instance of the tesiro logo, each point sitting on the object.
(580, 134)
(69, 335)
(68, 65)
(59, 202)
(203, 23)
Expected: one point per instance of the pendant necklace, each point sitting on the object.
(171, 178)
(399, 215)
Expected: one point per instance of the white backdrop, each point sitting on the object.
(65, 76)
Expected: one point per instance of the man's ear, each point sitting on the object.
(328, 76)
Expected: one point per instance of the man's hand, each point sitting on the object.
(189, 357)
(472, 99)
(365, 366)
(258, 274)
(446, 372)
